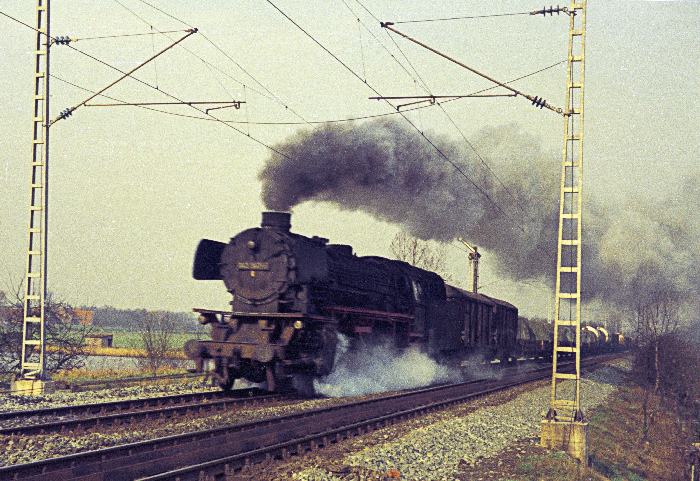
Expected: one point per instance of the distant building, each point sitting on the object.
(84, 316)
(99, 340)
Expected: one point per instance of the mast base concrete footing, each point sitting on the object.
(570, 437)
(32, 387)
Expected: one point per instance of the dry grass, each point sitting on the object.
(617, 446)
(120, 352)
(554, 466)
(104, 374)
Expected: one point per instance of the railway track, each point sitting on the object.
(128, 381)
(80, 417)
(212, 453)
(94, 385)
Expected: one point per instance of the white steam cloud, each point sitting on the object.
(380, 368)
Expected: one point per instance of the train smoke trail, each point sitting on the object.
(384, 168)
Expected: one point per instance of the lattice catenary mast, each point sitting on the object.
(564, 427)
(33, 332)
(565, 404)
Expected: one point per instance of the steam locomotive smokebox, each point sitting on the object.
(279, 221)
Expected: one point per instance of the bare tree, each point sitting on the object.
(419, 253)
(656, 318)
(157, 335)
(65, 335)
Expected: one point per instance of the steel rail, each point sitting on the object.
(237, 462)
(162, 455)
(226, 466)
(92, 385)
(111, 407)
(126, 381)
(194, 405)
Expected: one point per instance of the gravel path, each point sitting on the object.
(435, 451)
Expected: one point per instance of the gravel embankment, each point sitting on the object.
(67, 398)
(435, 451)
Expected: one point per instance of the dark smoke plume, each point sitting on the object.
(386, 169)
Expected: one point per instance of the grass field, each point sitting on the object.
(132, 340)
(78, 375)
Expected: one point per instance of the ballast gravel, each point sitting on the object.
(14, 402)
(436, 451)
(24, 449)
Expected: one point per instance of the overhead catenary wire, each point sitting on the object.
(437, 149)
(461, 132)
(207, 63)
(226, 54)
(375, 37)
(431, 96)
(229, 57)
(258, 141)
(85, 89)
(313, 122)
(155, 64)
(537, 101)
(359, 34)
(543, 12)
(166, 13)
(67, 112)
(218, 80)
(262, 143)
(122, 35)
(425, 86)
(92, 57)
(232, 103)
(465, 17)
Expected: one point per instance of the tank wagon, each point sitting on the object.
(292, 296)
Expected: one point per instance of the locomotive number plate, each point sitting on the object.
(253, 266)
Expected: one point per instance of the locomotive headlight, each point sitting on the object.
(298, 324)
(251, 244)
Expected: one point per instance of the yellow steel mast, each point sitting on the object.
(33, 332)
(565, 404)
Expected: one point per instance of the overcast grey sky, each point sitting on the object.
(133, 191)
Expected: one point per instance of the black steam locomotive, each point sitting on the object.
(293, 295)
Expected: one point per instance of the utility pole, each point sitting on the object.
(474, 257)
(32, 377)
(563, 427)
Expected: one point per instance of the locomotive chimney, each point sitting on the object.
(277, 221)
